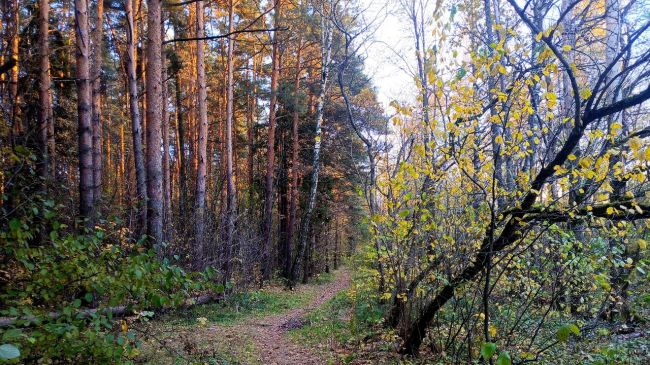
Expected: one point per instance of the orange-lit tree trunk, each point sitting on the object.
(84, 118)
(153, 128)
(45, 92)
(231, 200)
(12, 16)
(202, 138)
(96, 117)
(267, 229)
(250, 134)
(136, 120)
(167, 202)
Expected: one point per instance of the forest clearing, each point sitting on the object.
(325, 182)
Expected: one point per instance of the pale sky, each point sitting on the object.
(382, 63)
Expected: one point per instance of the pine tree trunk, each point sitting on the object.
(167, 202)
(180, 131)
(295, 155)
(202, 138)
(153, 124)
(13, 40)
(136, 121)
(266, 262)
(250, 135)
(84, 111)
(97, 43)
(231, 208)
(45, 92)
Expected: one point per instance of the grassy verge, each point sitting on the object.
(340, 329)
(209, 334)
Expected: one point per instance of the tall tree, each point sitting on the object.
(202, 119)
(84, 110)
(326, 54)
(231, 194)
(266, 262)
(295, 156)
(45, 117)
(134, 109)
(153, 128)
(96, 70)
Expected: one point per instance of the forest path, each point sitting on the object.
(268, 334)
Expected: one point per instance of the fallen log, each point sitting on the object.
(117, 311)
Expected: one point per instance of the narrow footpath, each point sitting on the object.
(268, 334)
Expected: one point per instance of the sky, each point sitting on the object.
(391, 38)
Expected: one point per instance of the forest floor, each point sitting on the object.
(249, 328)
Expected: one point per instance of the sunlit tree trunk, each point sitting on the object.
(231, 208)
(250, 134)
(84, 117)
(180, 137)
(153, 124)
(202, 120)
(45, 119)
(266, 262)
(136, 122)
(97, 47)
(167, 203)
(12, 102)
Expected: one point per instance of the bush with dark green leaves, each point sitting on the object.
(59, 289)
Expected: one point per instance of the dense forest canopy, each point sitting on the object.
(159, 156)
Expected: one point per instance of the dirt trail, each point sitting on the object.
(268, 333)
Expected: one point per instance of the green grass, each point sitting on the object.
(197, 346)
(238, 307)
(327, 327)
(190, 332)
(323, 278)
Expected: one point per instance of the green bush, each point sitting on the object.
(57, 278)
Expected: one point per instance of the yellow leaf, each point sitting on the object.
(642, 244)
(566, 48)
(646, 154)
(610, 210)
(492, 330)
(572, 157)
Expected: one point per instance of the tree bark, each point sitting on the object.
(231, 194)
(250, 134)
(295, 156)
(266, 262)
(180, 131)
(153, 124)
(202, 119)
(326, 52)
(97, 47)
(12, 103)
(84, 118)
(136, 121)
(167, 199)
(45, 119)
